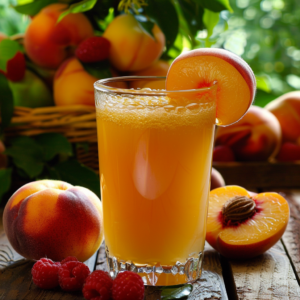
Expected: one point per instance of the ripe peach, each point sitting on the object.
(48, 42)
(53, 219)
(242, 226)
(205, 67)
(256, 137)
(286, 109)
(216, 179)
(73, 85)
(223, 153)
(288, 152)
(133, 49)
(159, 68)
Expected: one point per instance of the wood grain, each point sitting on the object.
(291, 237)
(209, 286)
(268, 277)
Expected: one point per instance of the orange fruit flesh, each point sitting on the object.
(233, 95)
(271, 217)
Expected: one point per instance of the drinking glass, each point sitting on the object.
(155, 155)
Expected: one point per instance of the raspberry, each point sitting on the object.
(69, 258)
(72, 274)
(98, 286)
(93, 49)
(128, 286)
(45, 273)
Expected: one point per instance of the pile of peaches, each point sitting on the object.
(62, 59)
(269, 134)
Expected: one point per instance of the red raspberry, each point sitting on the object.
(72, 274)
(98, 286)
(128, 286)
(45, 273)
(93, 49)
(69, 258)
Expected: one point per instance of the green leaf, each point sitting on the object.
(210, 19)
(182, 292)
(6, 103)
(75, 173)
(145, 23)
(99, 69)
(8, 49)
(263, 83)
(78, 7)
(53, 144)
(193, 15)
(5, 179)
(215, 5)
(164, 14)
(34, 7)
(27, 155)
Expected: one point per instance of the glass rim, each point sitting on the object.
(99, 85)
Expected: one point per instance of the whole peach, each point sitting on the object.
(133, 49)
(48, 42)
(256, 137)
(159, 68)
(286, 109)
(216, 179)
(73, 85)
(53, 219)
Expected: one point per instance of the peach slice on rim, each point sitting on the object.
(241, 224)
(203, 67)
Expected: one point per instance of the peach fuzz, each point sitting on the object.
(254, 230)
(132, 49)
(53, 219)
(159, 68)
(286, 109)
(256, 137)
(73, 85)
(204, 67)
(48, 43)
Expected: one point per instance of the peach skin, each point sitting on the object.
(242, 226)
(73, 85)
(286, 109)
(256, 137)
(53, 219)
(132, 49)
(48, 43)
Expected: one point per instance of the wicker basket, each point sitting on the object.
(76, 123)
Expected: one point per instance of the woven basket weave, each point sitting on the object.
(77, 123)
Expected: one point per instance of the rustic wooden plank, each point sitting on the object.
(267, 277)
(260, 174)
(291, 237)
(209, 286)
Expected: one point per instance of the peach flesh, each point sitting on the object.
(203, 67)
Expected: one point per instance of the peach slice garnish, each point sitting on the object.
(201, 68)
(246, 226)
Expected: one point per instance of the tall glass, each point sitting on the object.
(155, 154)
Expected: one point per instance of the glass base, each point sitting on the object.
(158, 275)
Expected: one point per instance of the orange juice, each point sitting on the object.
(155, 161)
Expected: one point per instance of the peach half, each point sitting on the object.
(53, 219)
(204, 67)
(242, 225)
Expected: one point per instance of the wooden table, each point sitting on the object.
(273, 275)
